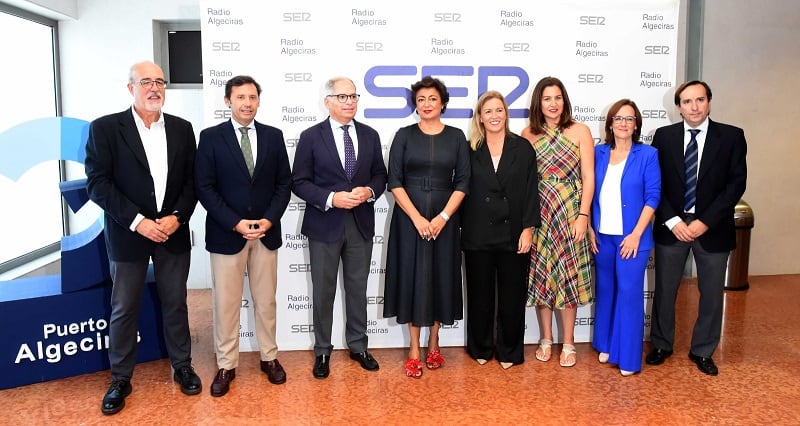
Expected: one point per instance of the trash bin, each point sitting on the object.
(736, 275)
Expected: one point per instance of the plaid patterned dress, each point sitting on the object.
(560, 275)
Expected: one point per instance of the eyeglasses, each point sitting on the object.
(148, 83)
(343, 98)
(619, 119)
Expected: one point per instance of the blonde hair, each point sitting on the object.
(477, 133)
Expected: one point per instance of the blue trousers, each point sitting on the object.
(619, 303)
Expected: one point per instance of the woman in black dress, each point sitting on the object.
(428, 176)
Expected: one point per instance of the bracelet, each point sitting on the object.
(583, 214)
(444, 216)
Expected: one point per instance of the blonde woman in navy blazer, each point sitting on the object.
(627, 192)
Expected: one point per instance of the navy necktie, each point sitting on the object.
(690, 161)
(349, 154)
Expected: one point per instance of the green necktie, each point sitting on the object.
(246, 150)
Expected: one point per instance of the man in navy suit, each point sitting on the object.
(139, 170)
(242, 174)
(704, 173)
(339, 172)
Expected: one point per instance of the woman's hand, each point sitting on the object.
(629, 246)
(436, 226)
(525, 239)
(579, 230)
(423, 228)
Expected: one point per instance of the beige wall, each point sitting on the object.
(751, 59)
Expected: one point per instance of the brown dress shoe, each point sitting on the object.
(274, 371)
(222, 381)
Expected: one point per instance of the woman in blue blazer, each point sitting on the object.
(627, 192)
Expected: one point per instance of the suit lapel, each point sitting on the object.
(603, 154)
(172, 149)
(507, 159)
(363, 147)
(631, 159)
(263, 147)
(232, 142)
(675, 138)
(330, 144)
(710, 150)
(130, 134)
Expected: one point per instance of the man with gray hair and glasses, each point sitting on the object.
(140, 171)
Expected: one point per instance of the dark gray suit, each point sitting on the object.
(120, 182)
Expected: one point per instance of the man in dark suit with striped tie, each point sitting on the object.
(704, 173)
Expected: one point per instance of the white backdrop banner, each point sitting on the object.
(603, 50)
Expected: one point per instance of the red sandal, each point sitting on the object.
(413, 368)
(434, 359)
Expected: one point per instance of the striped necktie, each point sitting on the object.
(690, 161)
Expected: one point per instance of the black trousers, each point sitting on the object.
(496, 292)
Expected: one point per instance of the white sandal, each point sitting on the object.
(566, 351)
(602, 357)
(545, 350)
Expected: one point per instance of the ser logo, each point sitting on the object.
(590, 78)
(369, 46)
(446, 17)
(302, 328)
(654, 113)
(584, 321)
(299, 267)
(297, 77)
(516, 47)
(656, 50)
(401, 94)
(377, 239)
(225, 46)
(296, 17)
(592, 20)
(374, 300)
(451, 326)
(291, 143)
(222, 114)
(296, 206)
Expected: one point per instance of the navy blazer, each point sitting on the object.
(640, 186)
(721, 182)
(499, 205)
(118, 180)
(228, 192)
(318, 171)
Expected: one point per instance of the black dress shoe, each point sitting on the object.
(657, 356)
(114, 401)
(222, 381)
(321, 367)
(274, 371)
(706, 365)
(188, 379)
(366, 360)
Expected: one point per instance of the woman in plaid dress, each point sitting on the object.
(560, 275)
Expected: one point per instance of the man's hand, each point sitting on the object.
(346, 200)
(250, 229)
(152, 230)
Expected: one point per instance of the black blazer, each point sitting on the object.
(318, 171)
(228, 192)
(119, 181)
(499, 205)
(721, 181)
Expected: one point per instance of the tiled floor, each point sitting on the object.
(758, 382)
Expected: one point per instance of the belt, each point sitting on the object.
(427, 183)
